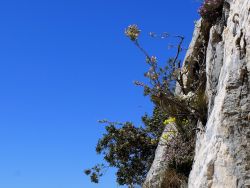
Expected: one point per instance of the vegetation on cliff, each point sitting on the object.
(211, 9)
(130, 148)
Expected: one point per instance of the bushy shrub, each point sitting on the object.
(211, 9)
(180, 152)
(128, 148)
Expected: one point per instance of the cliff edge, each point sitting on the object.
(222, 152)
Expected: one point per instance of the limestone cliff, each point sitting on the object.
(222, 154)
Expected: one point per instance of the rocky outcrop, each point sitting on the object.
(222, 154)
(157, 174)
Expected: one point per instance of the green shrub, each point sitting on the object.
(128, 148)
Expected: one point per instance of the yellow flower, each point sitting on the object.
(165, 136)
(169, 120)
(168, 135)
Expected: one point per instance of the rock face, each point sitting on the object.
(157, 172)
(222, 154)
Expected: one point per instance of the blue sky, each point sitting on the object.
(64, 64)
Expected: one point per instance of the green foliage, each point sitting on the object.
(184, 109)
(95, 172)
(180, 143)
(168, 135)
(180, 152)
(129, 148)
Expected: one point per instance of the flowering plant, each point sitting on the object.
(132, 32)
(162, 80)
(211, 9)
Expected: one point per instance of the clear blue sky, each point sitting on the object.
(64, 65)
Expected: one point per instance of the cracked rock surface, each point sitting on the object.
(222, 156)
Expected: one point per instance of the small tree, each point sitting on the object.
(128, 148)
